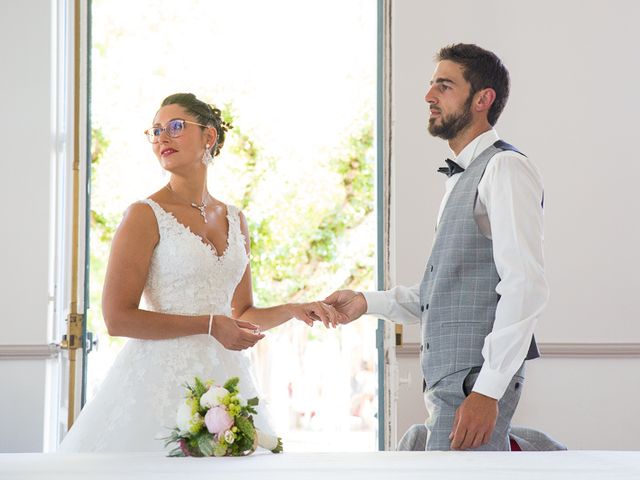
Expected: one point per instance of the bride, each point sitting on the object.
(186, 254)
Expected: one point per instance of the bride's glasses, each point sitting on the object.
(174, 128)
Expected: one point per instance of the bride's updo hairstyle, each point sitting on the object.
(204, 113)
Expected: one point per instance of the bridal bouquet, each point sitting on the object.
(214, 421)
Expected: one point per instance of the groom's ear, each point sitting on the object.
(483, 99)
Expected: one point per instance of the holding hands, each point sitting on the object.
(339, 308)
(315, 311)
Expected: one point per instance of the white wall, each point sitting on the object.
(575, 77)
(26, 95)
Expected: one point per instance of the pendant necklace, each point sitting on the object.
(200, 208)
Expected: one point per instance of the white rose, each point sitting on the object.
(229, 437)
(187, 420)
(266, 440)
(184, 417)
(213, 396)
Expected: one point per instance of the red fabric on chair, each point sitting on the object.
(514, 445)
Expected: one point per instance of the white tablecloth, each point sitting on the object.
(578, 465)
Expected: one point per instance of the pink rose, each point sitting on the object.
(218, 420)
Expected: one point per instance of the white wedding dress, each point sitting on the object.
(137, 402)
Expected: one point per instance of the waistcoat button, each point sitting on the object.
(432, 268)
(422, 308)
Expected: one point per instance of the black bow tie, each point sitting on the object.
(451, 169)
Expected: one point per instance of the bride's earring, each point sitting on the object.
(207, 159)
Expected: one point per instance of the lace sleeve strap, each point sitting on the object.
(157, 210)
(234, 223)
(233, 214)
(154, 206)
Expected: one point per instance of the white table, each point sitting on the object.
(578, 465)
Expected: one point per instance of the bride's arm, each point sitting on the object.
(127, 270)
(270, 317)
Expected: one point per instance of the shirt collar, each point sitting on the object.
(475, 147)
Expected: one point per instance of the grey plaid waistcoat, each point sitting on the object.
(458, 296)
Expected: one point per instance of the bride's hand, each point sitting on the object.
(312, 311)
(235, 334)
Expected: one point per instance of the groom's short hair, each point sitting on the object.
(482, 69)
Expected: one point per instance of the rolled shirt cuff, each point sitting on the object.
(492, 383)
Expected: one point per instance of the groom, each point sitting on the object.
(484, 285)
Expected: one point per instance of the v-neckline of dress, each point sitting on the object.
(208, 245)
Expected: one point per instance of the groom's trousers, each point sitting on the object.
(443, 399)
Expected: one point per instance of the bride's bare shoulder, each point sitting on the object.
(139, 221)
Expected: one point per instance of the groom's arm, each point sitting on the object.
(400, 304)
(512, 194)
(511, 191)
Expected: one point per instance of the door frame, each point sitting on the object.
(72, 208)
(385, 334)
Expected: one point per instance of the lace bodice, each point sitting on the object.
(187, 276)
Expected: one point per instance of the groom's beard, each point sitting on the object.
(453, 124)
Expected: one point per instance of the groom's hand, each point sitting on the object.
(349, 304)
(235, 334)
(474, 422)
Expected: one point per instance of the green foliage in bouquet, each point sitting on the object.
(213, 421)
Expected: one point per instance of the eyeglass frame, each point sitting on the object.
(156, 138)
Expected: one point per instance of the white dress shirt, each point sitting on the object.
(508, 211)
